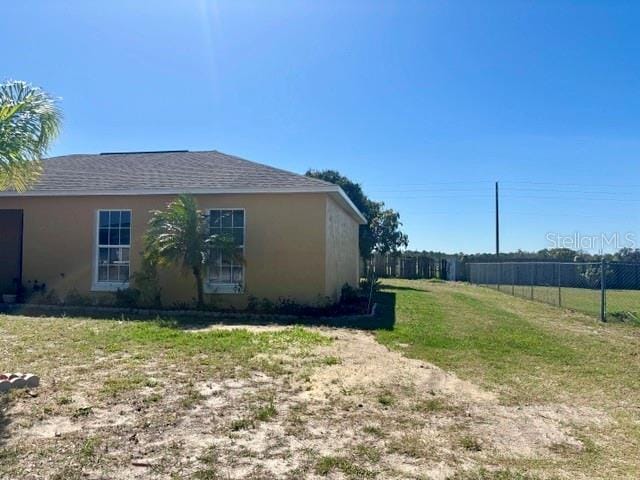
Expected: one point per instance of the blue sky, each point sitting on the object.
(426, 103)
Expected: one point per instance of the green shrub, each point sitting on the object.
(348, 294)
(127, 297)
(146, 282)
(45, 298)
(77, 299)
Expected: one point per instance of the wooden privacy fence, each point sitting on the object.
(411, 267)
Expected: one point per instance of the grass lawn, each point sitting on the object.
(108, 385)
(467, 384)
(530, 353)
(580, 299)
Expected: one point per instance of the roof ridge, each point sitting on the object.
(143, 151)
(276, 169)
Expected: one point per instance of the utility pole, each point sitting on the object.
(497, 224)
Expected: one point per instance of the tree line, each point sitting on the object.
(629, 255)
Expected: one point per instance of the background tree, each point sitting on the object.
(180, 235)
(626, 254)
(382, 232)
(29, 122)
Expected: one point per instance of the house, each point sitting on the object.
(80, 229)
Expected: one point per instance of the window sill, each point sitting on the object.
(109, 287)
(223, 288)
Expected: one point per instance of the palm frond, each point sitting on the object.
(29, 122)
(224, 244)
(175, 235)
(181, 234)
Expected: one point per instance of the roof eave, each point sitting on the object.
(349, 206)
(332, 189)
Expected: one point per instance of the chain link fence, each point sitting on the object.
(603, 289)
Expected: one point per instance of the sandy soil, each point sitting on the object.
(352, 409)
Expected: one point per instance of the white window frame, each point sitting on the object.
(229, 288)
(97, 286)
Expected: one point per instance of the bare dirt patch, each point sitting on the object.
(348, 409)
(435, 408)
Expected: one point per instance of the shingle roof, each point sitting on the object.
(148, 173)
(160, 171)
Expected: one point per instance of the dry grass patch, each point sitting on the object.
(328, 464)
(411, 445)
(150, 400)
(563, 382)
(125, 398)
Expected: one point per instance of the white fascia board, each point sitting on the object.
(348, 205)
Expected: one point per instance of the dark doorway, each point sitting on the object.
(10, 250)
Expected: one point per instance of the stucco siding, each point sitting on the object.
(284, 244)
(342, 255)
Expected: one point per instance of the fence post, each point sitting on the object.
(603, 293)
(532, 276)
(559, 286)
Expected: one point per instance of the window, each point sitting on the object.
(226, 274)
(112, 250)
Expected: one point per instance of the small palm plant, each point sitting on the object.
(180, 235)
(29, 122)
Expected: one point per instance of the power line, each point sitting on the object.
(593, 190)
(507, 189)
(584, 197)
(452, 182)
(509, 213)
(506, 182)
(611, 185)
(541, 187)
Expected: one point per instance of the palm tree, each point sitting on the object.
(29, 122)
(180, 234)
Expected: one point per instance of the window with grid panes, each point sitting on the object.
(226, 274)
(113, 249)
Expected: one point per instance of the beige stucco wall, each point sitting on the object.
(342, 254)
(285, 243)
